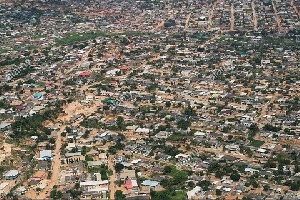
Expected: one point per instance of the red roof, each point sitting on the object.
(125, 67)
(85, 74)
(112, 82)
(128, 184)
(20, 107)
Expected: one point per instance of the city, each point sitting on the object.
(143, 100)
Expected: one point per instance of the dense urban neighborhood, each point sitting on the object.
(140, 100)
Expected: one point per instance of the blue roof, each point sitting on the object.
(150, 183)
(37, 95)
(45, 154)
(111, 59)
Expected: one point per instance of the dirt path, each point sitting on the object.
(70, 109)
(139, 18)
(211, 39)
(232, 18)
(295, 8)
(5, 150)
(265, 108)
(161, 24)
(84, 58)
(112, 178)
(277, 18)
(187, 21)
(211, 13)
(55, 166)
(254, 15)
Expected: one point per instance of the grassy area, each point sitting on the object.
(178, 195)
(256, 143)
(82, 37)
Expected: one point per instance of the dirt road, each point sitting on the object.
(70, 109)
(295, 8)
(211, 13)
(187, 21)
(112, 178)
(84, 58)
(254, 15)
(264, 110)
(161, 24)
(232, 18)
(277, 18)
(55, 166)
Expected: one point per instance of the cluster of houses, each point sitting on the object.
(190, 84)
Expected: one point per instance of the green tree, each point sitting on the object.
(120, 123)
(235, 176)
(189, 111)
(119, 195)
(266, 187)
(183, 124)
(68, 129)
(168, 104)
(119, 167)
(167, 169)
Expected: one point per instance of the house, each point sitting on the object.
(193, 193)
(85, 74)
(149, 183)
(128, 184)
(3, 187)
(38, 96)
(45, 154)
(158, 170)
(142, 130)
(95, 163)
(138, 197)
(199, 134)
(163, 135)
(89, 185)
(74, 157)
(127, 174)
(5, 126)
(11, 175)
(39, 175)
(182, 156)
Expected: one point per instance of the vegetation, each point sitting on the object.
(119, 195)
(256, 143)
(103, 170)
(168, 194)
(33, 125)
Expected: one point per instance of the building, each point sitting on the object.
(5, 126)
(11, 175)
(150, 183)
(127, 174)
(45, 154)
